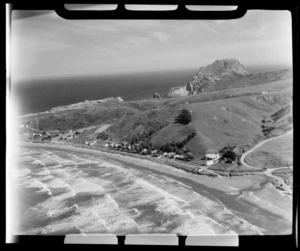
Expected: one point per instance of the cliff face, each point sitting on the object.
(218, 70)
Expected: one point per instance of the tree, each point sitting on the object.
(179, 145)
(167, 148)
(184, 117)
(229, 155)
(144, 144)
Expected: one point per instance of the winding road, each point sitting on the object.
(269, 171)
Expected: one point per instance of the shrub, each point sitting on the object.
(144, 144)
(184, 117)
(179, 145)
(179, 152)
(167, 148)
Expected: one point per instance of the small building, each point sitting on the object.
(171, 155)
(212, 156)
(144, 151)
(93, 142)
(209, 163)
(154, 153)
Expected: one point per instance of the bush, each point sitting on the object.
(229, 155)
(145, 145)
(179, 152)
(184, 117)
(179, 145)
(189, 156)
(167, 148)
(102, 136)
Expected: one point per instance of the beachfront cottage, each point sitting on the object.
(106, 145)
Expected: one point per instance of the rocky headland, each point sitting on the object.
(218, 71)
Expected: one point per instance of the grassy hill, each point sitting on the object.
(226, 117)
(275, 153)
(237, 81)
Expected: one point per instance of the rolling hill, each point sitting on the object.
(227, 114)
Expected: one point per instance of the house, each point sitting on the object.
(171, 155)
(93, 143)
(154, 153)
(209, 163)
(212, 156)
(144, 151)
(86, 142)
(106, 145)
(181, 157)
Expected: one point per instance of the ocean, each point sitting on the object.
(40, 95)
(64, 192)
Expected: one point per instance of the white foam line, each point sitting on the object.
(61, 160)
(37, 161)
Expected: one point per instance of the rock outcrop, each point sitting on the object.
(218, 70)
(156, 95)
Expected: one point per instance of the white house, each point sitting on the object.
(144, 151)
(106, 145)
(212, 156)
(209, 163)
(93, 143)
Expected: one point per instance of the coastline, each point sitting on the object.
(230, 185)
(255, 188)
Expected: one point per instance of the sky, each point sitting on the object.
(46, 45)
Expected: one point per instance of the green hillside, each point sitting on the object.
(237, 116)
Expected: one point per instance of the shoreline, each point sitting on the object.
(256, 189)
(230, 185)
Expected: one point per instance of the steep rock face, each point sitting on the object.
(222, 67)
(218, 70)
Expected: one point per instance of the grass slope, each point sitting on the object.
(275, 153)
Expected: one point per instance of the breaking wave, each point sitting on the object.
(96, 196)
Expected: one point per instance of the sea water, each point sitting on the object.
(64, 192)
(39, 95)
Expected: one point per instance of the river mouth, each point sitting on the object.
(68, 192)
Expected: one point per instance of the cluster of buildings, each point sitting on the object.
(137, 148)
(211, 158)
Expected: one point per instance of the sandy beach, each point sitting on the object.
(255, 188)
